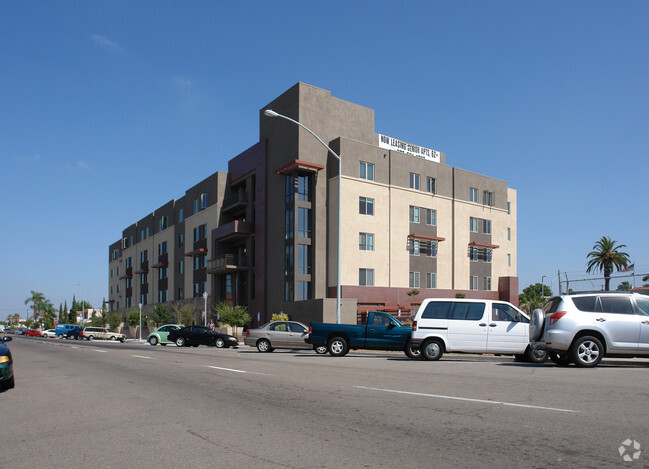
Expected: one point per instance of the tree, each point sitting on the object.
(531, 297)
(37, 301)
(624, 286)
(235, 316)
(183, 316)
(114, 320)
(606, 256)
(133, 317)
(159, 315)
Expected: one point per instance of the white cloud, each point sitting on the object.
(106, 43)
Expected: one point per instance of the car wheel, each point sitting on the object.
(559, 359)
(412, 351)
(587, 351)
(432, 350)
(180, 341)
(338, 347)
(536, 325)
(91, 337)
(60, 336)
(153, 340)
(112, 337)
(264, 346)
(535, 356)
(122, 340)
(219, 342)
(320, 349)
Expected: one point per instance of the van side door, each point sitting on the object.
(467, 327)
(508, 329)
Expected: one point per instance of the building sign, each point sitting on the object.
(390, 143)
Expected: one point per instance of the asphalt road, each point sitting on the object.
(101, 404)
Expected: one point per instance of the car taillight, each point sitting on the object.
(310, 330)
(248, 332)
(554, 317)
(414, 325)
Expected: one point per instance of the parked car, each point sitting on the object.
(49, 333)
(201, 335)
(160, 335)
(585, 328)
(474, 326)
(69, 331)
(33, 332)
(6, 365)
(382, 332)
(281, 334)
(92, 333)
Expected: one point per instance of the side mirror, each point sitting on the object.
(7, 339)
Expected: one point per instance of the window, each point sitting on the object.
(509, 260)
(437, 310)
(486, 283)
(414, 214)
(473, 283)
(303, 188)
(200, 232)
(144, 256)
(616, 305)
(203, 201)
(366, 277)
(200, 261)
(144, 278)
(367, 171)
(414, 181)
(486, 226)
(181, 215)
(431, 280)
(365, 206)
(473, 225)
(303, 290)
(473, 254)
(144, 298)
(288, 216)
(181, 240)
(290, 188)
(303, 222)
(509, 234)
(162, 296)
(431, 248)
(366, 241)
(181, 267)
(199, 289)
(181, 293)
(197, 206)
(162, 248)
(163, 272)
(288, 265)
(164, 223)
(489, 198)
(509, 208)
(503, 312)
(431, 217)
(413, 280)
(129, 282)
(303, 260)
(473, 194)
(431, 185)
(129, 262)
(413, 247)
(487, 254)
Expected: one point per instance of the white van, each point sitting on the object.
(472, 326)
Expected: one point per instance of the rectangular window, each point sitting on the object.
(413, 247)
(366, 277)
(473, 225)
(431, 185)
(303, 290)
(303, 188)
(365, 206)
(203, 201)
(181, 267)
(142, 238)
(200, 232)
(509, 208)
(288, 267)
(181, 293)
(431, 249)
(162, 296)
(144, 256)
(289, 228)
(129, 282)
(290, 188)
(486, 283)
(473, 194)
(509, 260)
(199, 289)
(144, 298)
(288, 290)
(303, 260)
(488, 254)
(473, 283)
(366, 241)
(486, 226)
(181, 215)
(431, 280)
(415, 181)
(200, 261)
(413, 279)
(509, 234)
(144, 279)
(431, 217)
(164, 223)
(489, 198)
(414, 214)
(473, 254)
(162, 248)
(367, 171)
(303, 222)
(181, 240)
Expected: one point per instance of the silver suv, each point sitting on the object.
(584, 328)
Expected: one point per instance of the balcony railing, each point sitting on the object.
(227, 263)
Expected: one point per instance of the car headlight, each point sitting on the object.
(4, 359)
(234, 339)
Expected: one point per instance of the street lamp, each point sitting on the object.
(205, 298)
(542, 277)
(271, 113)
(140, 305)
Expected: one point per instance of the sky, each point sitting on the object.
(110, 109)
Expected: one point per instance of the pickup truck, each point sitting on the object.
(382, 332)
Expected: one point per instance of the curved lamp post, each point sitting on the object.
(271, 113)
(205, 298)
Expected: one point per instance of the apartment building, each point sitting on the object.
(265, 233)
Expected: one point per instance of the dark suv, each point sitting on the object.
(69, 331)
(585, 328)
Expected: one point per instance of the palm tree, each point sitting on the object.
(36, 299)
(605, 256)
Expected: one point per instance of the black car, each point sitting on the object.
(201, 335)
(6, 365)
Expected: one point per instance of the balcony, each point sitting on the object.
(227, 263)
(236, 202)
(233, 232)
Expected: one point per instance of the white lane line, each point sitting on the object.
(235, 370)
(482, 401)
(100, 351)
(142, 356)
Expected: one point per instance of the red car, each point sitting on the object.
(33, 333)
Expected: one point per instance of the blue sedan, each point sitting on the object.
(6, 365)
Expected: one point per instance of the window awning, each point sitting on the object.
(300, 165)
(141, 271)
(196, 252)
(426, 237)
(126, 276)
(483, 245)
(160, 264)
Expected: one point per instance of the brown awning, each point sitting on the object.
(160, 264)
(196, 252)
(427, 237)
(302, 165)
(483, 245)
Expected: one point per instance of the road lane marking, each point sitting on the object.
(235, 370)
(100, 351)
(142, 356)
(483, 401)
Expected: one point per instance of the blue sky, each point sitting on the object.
(100, 100)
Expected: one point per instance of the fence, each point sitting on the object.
(623, 282)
